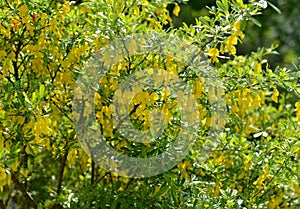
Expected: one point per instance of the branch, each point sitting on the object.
(20, 187)
(8, 78)
(2, 206)
(61, 173)
(263, 189)
(93, 173)
(9, 6)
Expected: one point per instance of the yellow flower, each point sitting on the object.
(275, 95)
(23, 10)
(184, 167)
(25, 19)
(214, 53)
(72, 157)
(260, 180)
(176, 10)
(230, 42)
(275, 202)
(44, 17)
(198, 88)
(297, 105)
(3, 54)
(237, 28)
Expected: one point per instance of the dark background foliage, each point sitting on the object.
(278, 27)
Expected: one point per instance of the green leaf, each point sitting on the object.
(162, 190)
(174, 196)
(26, 98)
(204, 21)
(31, 150)
(42, 91)
(114, 204)
(225, 2)
(274, 7)
(40, 206)
(222, 6)
(255, 21)
(243, 25)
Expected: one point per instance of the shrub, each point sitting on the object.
(45, 47)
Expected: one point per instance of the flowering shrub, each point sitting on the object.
(44, 47)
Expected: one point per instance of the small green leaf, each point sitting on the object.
(162, 190)
(204, 21)
(31, 150)
(174, 196)
(274, 7)
(114, 204)
(221, 6)
(225, 2)
(243, 25)
(26, 98)
(255, 21)
(42, 91)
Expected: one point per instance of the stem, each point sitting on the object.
(2, 206)
(24, 192)
(61, 173)
(8, 78)
(263, 189)
(93, 173)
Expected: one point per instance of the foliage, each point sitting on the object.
(278, 26)
(44, 46)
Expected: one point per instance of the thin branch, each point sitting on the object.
(8, 78)
(20, 187)
(129, 182)
(263, 189)
(93, 173)
(65, 114)
(61, 173)
(102, 177)
(2, 206)
(9, 6)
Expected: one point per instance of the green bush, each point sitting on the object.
(45, 47)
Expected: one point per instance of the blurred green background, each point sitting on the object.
(281, 28)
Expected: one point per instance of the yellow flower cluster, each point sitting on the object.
(260, 180)
(275, 95)
(183, 168)
(232, 40)
(5, 179)
(244, 100)
(276, 201)
(104, 117)
(229, 43)
(214, 53)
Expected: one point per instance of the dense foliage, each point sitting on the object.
(44, 46)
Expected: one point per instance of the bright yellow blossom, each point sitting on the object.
(297, 105)
(237, 28)
(214, 53)
(275, 95)
(230, 42)
(23, 10)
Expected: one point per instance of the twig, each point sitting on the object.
(61, 173)
(263, 189)
(93, 173)
(8, 78)
(2, 206)
(24, 192)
